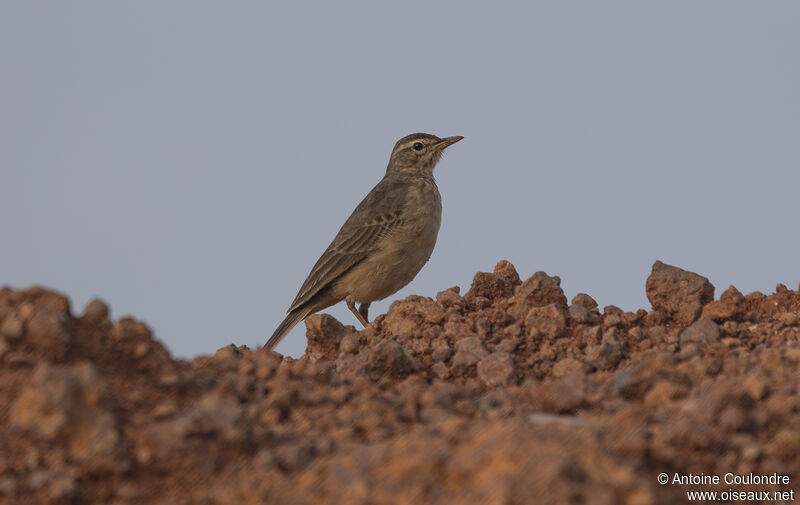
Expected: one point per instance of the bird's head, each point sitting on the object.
(418, 153)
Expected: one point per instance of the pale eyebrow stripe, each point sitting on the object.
(406, 145)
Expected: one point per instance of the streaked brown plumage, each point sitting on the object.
(385, 241)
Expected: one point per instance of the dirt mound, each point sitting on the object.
(507, 394)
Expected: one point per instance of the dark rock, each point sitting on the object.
(678, 293)
(703, 332)
(387, 359)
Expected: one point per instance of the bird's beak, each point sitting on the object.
(448, 141)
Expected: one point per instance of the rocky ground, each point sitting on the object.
(507, 394)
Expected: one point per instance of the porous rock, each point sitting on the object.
(496, 369)
(541, 289)
(70, 402)
(678, 293)
(469, 351)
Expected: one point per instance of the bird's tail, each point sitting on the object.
(286, 326)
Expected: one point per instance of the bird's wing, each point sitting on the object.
(374, 218)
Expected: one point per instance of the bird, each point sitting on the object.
(384, 243)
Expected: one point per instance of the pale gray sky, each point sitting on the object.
(189, 161)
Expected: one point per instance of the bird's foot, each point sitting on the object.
(363, 309)
(361, 313)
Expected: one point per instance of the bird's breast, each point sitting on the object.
(403, 252)
(422, 216)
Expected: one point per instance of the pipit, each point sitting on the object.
(385, 241)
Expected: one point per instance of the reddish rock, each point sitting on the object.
(560, 396)
(607, 354)
(324, 334)
(130, 330)
(406, 317)
(96, 311)
(48, 300)
(508, 344)
(490, 286)
(506, 271)
(11, 327)
(47, 332)
(550, 320)
(449, 298)
(215, 415)
(786, 444)
(541, 289)
(678, 293)
(632, 383)
(469, 351)
(732, 295)
(436, 402)
(585, 301)
(441, 351)
(496, 369)
(582, 315)
(730, 306)
(387, 359)
(611, 320)
(568, 365)
(440, 370)
(632, 318)
(70, 403)
(349, 344)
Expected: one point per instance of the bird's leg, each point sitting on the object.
(352, 306)
(363, 309)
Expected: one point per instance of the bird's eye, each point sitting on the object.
(418, 146)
